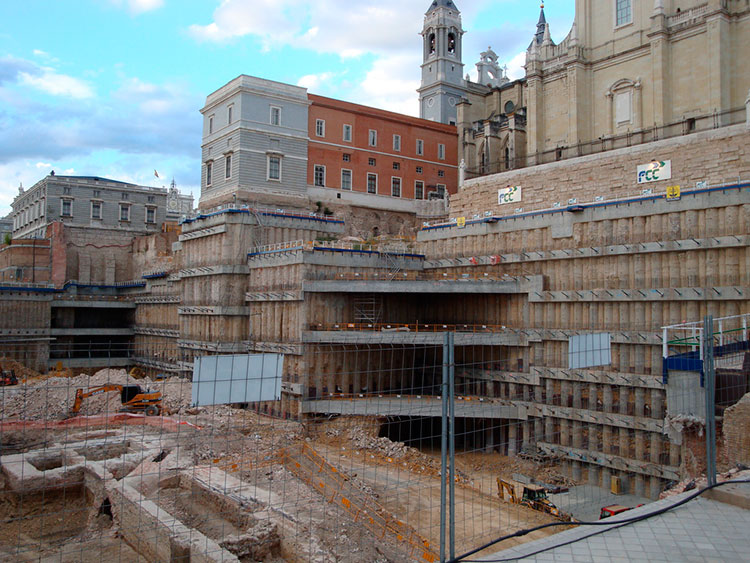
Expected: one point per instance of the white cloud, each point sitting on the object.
(328, 26)
(57, 84)
(315, 82)
(139, 6)
(516, 66)
(43, 165)
(40, 53)
(392, 84)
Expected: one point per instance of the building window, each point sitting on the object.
(397, 166)
(373, 138)
(347, 133)
(624, 12)
(230, 110)
(441, 152)
(320, 176)
(274, 168)
(396, 187)
(275, 116)
(97, 193)
(228, 166)
(66, 210)
(66, 190)
(125, 196)
(420, 147)
(397, 142)
(96, 209)
(151, 199)
(320, 127)
(440, 191)
(441, 173)
(210, 125)
(372, 183)
(346, 179)
(124, 212)
(371, 161)
(623, 107)
(419, 189)
(150, 215)
(209, 172)
(346, 157)
(418, 170)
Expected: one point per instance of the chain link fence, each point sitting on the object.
(403, 445)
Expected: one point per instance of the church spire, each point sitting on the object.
(540, 27)
(441, 4)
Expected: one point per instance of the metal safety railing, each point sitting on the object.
(691, 335)
(412, 275)
(348, 246)
(408, 327)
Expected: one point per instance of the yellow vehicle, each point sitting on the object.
(133, 398)
(533, 496)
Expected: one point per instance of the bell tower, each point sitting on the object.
(443, 84)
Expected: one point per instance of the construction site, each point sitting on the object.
(576, 327)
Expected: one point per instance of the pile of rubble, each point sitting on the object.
(53, 398)
(383, 446)
(736, 473)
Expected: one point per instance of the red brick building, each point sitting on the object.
(368, 150)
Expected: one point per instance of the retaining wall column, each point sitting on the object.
(657, 403)
(512, 438)
(593, 397)
(549, 430)
(640, 401)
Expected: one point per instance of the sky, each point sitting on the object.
(113, 88)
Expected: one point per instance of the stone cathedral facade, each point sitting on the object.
(628, 72)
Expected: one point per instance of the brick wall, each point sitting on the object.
(25, 260)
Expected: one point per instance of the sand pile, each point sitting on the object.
(21, 371)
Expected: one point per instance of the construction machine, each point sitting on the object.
(8, 378)
(614, 510)
(534, 496)
(134, 399)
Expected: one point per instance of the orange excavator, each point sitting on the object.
(134, 399)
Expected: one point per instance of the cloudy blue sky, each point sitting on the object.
(113, 87)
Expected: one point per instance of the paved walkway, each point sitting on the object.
(702, 530)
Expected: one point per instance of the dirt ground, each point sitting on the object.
(58, 526)
(404, 482)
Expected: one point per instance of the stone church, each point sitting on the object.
(628, 72)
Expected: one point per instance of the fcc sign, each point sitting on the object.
(511, 194)
(655, 171)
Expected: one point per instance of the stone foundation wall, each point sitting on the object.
(717, 156)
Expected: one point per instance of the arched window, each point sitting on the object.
(452, 43)
(432, 43)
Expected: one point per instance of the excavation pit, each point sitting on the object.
(231, 526)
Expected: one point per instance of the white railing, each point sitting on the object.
(687, 15)
(690, 335)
